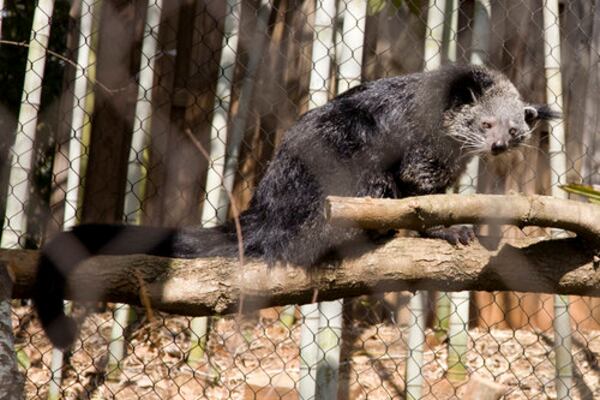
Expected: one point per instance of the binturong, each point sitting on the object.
(395, 137)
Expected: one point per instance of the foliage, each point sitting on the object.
(587, 191)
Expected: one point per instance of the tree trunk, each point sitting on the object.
(11, 380)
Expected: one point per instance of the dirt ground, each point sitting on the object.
(256, 357)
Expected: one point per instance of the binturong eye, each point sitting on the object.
(512, 132)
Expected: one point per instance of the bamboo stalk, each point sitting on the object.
(458, 336)
(288, 316)
(56, 365)
(482, 14)
(308, 351)
(140, 142)
(22, 152)
(479, 55)
(416, 336)
(558, 171)
(77, 148)
(349, 61)
(240, 120)
(330, 343)
(322, 54)
(590, 140)
(416, 341)
(434, 35)
(83, 106)
(459, 301)
(449, 39)
(442, 316)
(218, 132)
(136, 172)
(77, 151)
(450, 31)
(352, 45)
(218, 140)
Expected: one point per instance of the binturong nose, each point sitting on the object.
(499, 146)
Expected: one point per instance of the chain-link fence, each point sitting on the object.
(100, 102)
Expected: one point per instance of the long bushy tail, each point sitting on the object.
(61, 256)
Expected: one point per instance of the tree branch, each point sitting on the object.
(420, 213)
(213, 285)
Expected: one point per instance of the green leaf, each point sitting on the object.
(583, 190)
(22, 358)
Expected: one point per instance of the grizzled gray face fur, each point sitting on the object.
(494, 122)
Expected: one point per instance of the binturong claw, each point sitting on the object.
(453, 235)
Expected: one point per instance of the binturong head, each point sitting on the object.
(487, 115)
(507, 125)
(504, 125)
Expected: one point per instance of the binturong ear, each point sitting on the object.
(467, 85)
(539, 112)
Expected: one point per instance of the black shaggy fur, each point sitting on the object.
(395, 137)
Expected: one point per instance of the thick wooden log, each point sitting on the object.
(215, 285)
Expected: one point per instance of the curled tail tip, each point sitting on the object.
(62, 332)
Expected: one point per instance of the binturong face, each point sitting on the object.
(502, 125)
(495, 123)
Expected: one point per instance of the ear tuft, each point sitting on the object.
(545, 113)
(540, 112)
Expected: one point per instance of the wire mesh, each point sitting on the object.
(244, 67)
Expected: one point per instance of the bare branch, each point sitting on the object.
(213, 285)
(423, 212)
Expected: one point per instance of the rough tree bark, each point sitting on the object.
(215, 284)
(11, 380)
(423, 212)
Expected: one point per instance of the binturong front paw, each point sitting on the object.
(453, 235)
